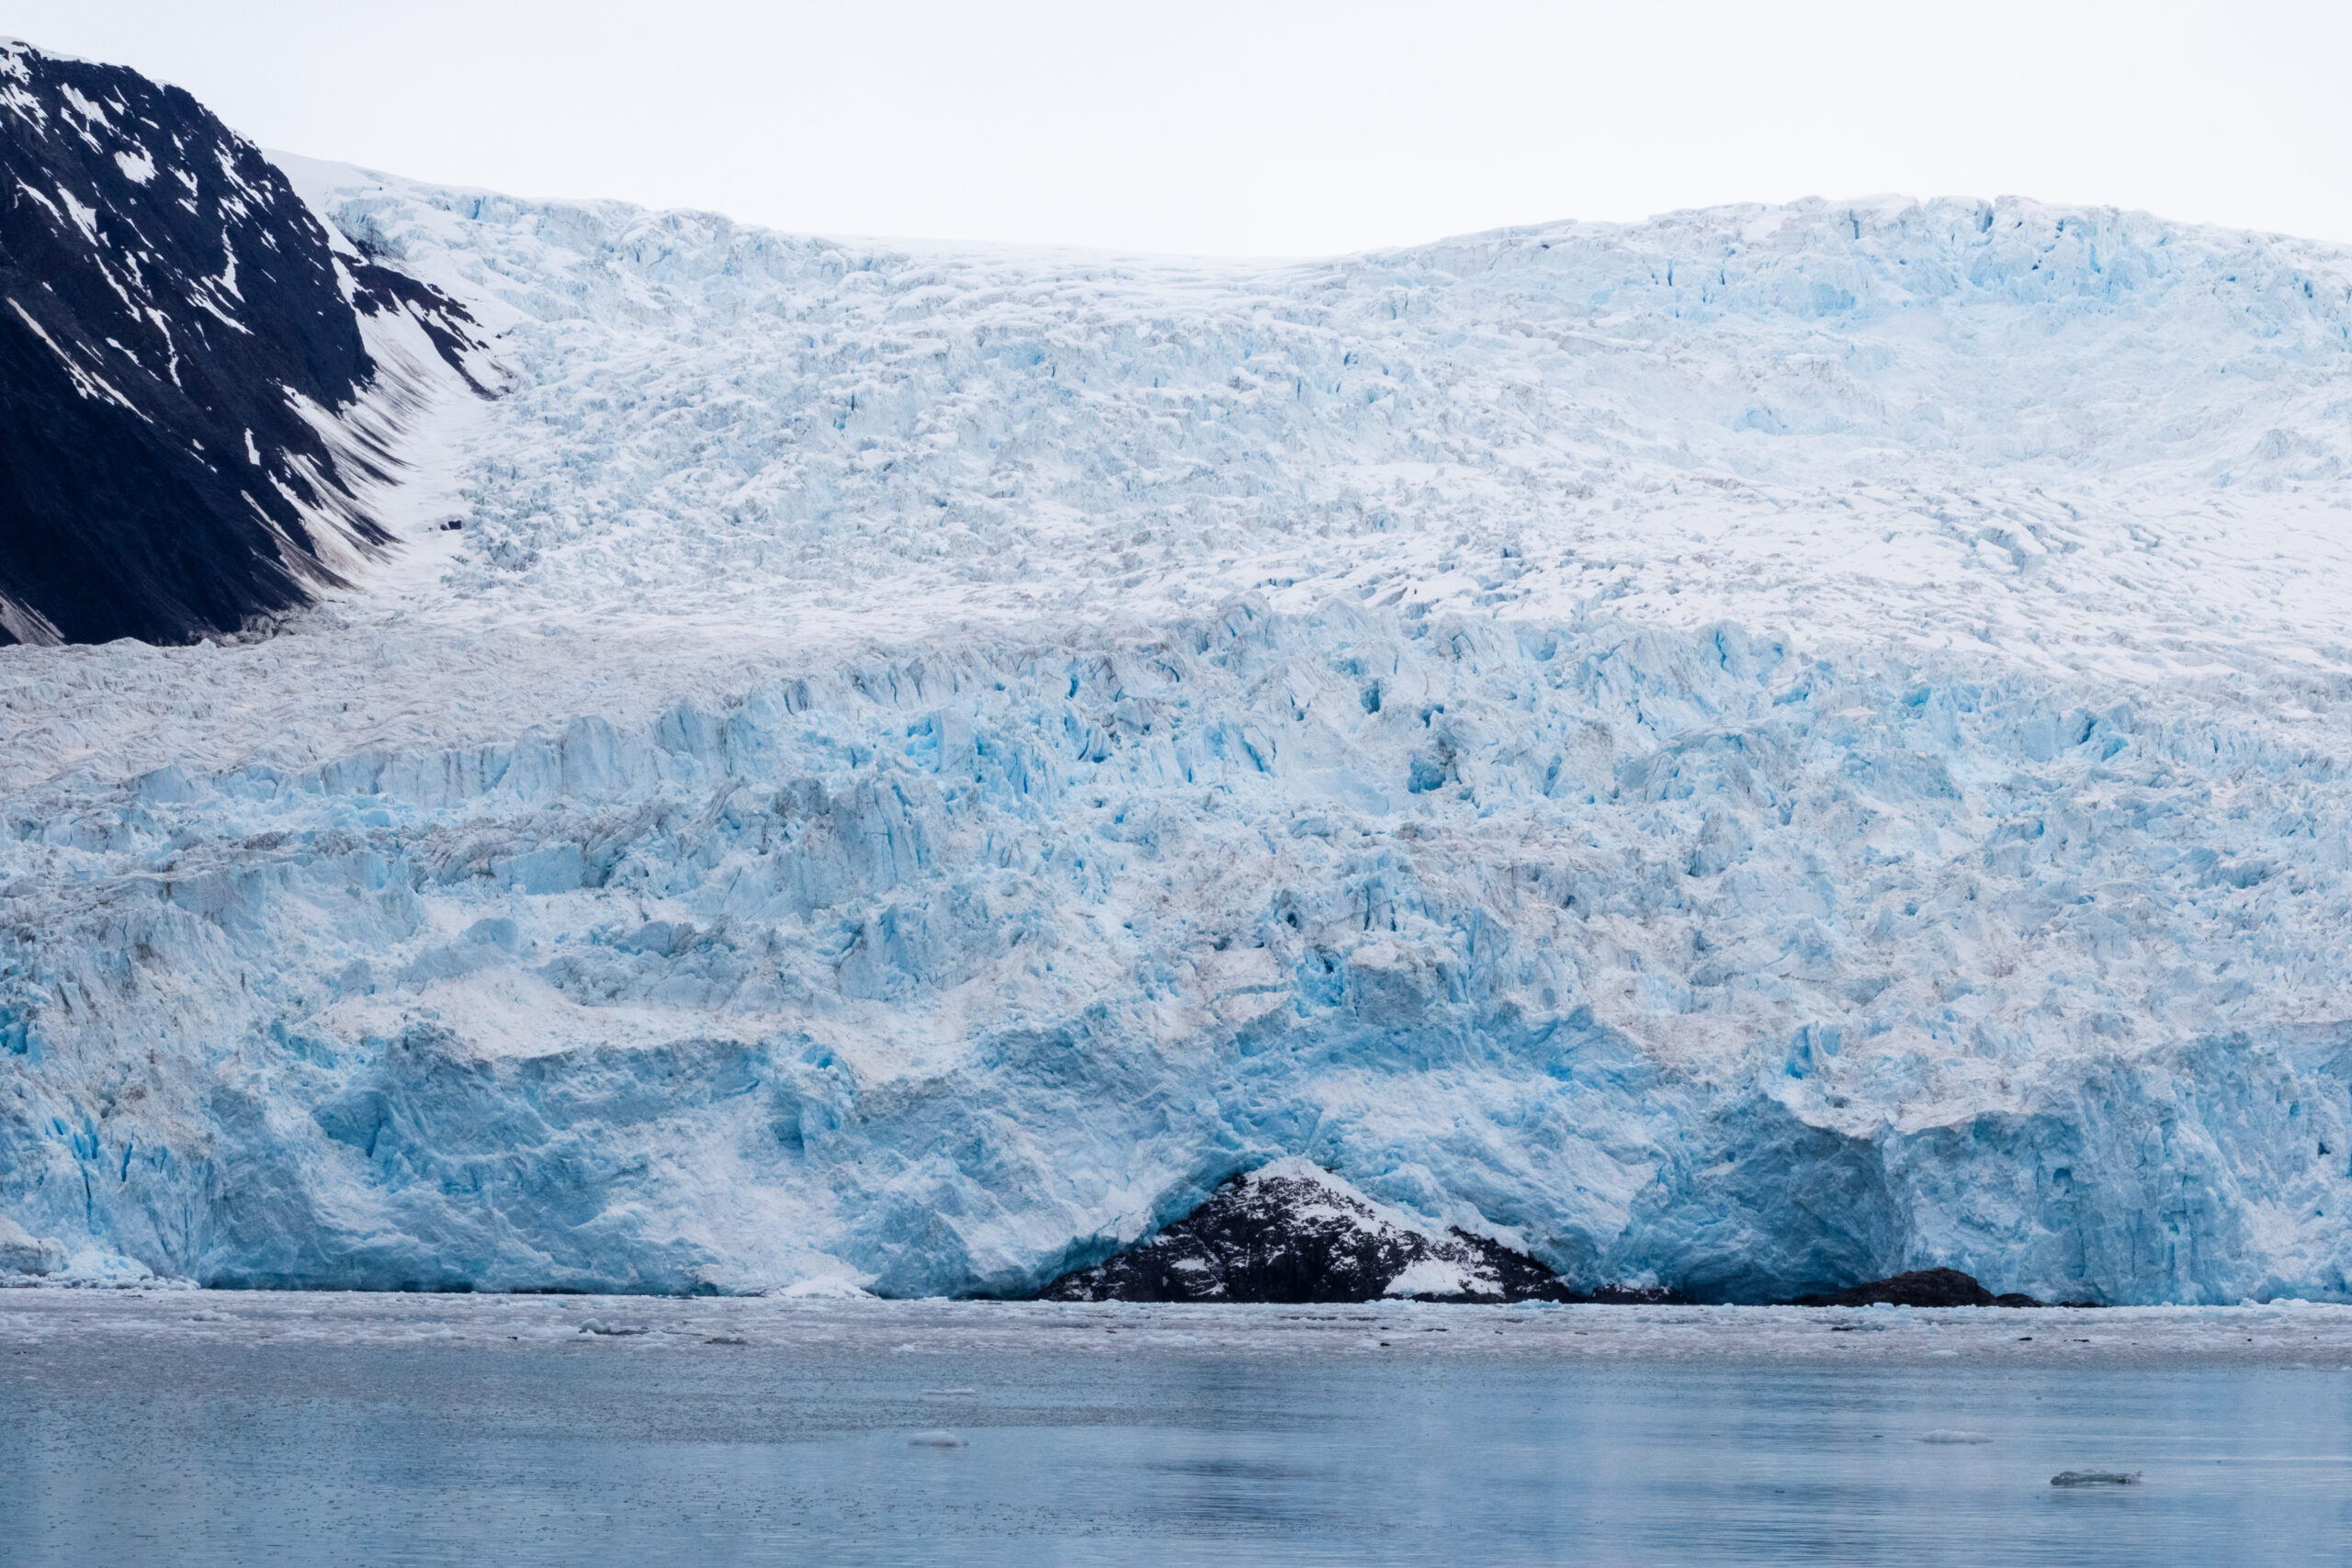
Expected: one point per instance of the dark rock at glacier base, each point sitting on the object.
(1292, 1233)
(1925, 1288)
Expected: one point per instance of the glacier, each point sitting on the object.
(1743, 753)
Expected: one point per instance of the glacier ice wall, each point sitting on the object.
(1751, 751)
(1691, 958)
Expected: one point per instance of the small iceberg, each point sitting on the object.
(2096, 1478)
(936, 1439)
(598, 1326)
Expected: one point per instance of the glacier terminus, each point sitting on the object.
(1734, 754)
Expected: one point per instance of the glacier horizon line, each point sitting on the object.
(1876, 207)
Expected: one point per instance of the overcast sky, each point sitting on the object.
(1273, 127)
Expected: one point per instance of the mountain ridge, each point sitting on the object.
(188, 386)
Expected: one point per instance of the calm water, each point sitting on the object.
(138, 1442)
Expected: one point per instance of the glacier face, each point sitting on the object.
(1745, 752)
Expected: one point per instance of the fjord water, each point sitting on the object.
(381, 1430)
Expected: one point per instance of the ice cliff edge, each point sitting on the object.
(1697, 963)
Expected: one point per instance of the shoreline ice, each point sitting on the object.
(2281, 1336)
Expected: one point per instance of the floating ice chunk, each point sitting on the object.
(612, 1330)
(936, 1439)
(22, 1252)
(2096, 1478)
(1946, 1435)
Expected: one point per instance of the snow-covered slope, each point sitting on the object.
(191, 420)
(1760, 748)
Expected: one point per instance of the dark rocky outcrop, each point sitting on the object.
(1925, 1288)
(1919, 1288)
(176, 328)
(1291, 1232)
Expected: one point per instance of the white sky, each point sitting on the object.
(1274, 126)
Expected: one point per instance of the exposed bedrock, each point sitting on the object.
(1687, 961)
(182, 348)
(1922, 1287)
(1291, 1232)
